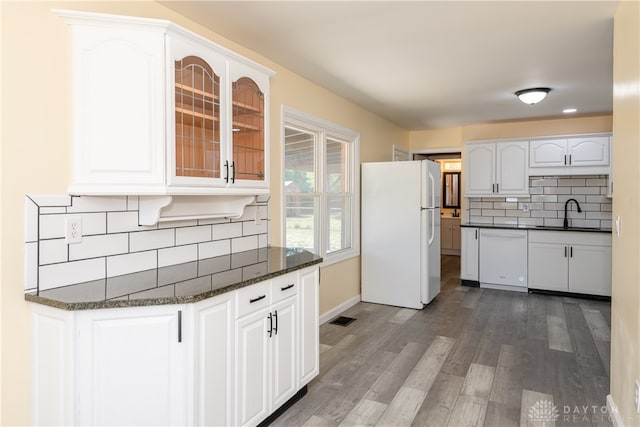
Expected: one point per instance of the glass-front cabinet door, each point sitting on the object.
(197, 119)
(220, 132)
(196, 128)
(248, 130)
(249, 126)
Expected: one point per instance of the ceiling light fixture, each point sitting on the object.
(533, 95)
(569, 110)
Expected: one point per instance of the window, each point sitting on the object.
(321, 202)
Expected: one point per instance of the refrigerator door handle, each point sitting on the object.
(432, 182)
(433, 226)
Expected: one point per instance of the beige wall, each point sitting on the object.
(625, 309)
(454, 137)
(36, 155)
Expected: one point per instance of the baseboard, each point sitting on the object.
(614, 415)
(325, 317)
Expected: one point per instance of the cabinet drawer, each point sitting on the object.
(284, 286)
(253, 298)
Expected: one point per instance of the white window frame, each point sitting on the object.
(325, 129)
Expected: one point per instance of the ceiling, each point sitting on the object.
(432, 64)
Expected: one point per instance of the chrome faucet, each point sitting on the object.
(566, 221)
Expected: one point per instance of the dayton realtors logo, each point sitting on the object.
(543, 411)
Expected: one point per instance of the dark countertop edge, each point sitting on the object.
(536, 228)
(93, 305)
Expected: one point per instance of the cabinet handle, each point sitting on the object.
(287, 287)
(226, 167)
(233, 174)
(571, 252)
(565, 251)
(252, 300)
(565, 159)
(497, 188)
(270, 325)
(179, 325)
(275, 329)
(569, 158)
(476, 234)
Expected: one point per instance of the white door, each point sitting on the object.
(252, 367)
(469, 254)
(512, 173)
(309, 353)
(283, 351)
(548, 153)
(132, 366)
(590, 269)
(548, 266)
(214, 338)
(479, 169)
(592, 151)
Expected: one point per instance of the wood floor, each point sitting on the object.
(471, 357)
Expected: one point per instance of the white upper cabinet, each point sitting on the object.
(496, 169)
(480, 169)
(511, 172)
(566, 156)
(158, 110)
(590, 151)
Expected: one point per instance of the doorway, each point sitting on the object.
(451, 197)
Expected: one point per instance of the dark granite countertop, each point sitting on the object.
(178, 284)
(536, 227)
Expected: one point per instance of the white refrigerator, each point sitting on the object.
(400, 249)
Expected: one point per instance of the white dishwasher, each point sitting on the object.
(503, 259)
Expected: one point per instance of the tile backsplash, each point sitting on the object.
(545, 205)
(114, 244)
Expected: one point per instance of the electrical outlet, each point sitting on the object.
(637, 396)
(73, 230)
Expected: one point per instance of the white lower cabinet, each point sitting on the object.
(228, 360)
(214, 339)
(252, 371)
(469, 254)
(267, 348)
(578, 262)
(131, 366)
(283, 352)
(309, 327)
